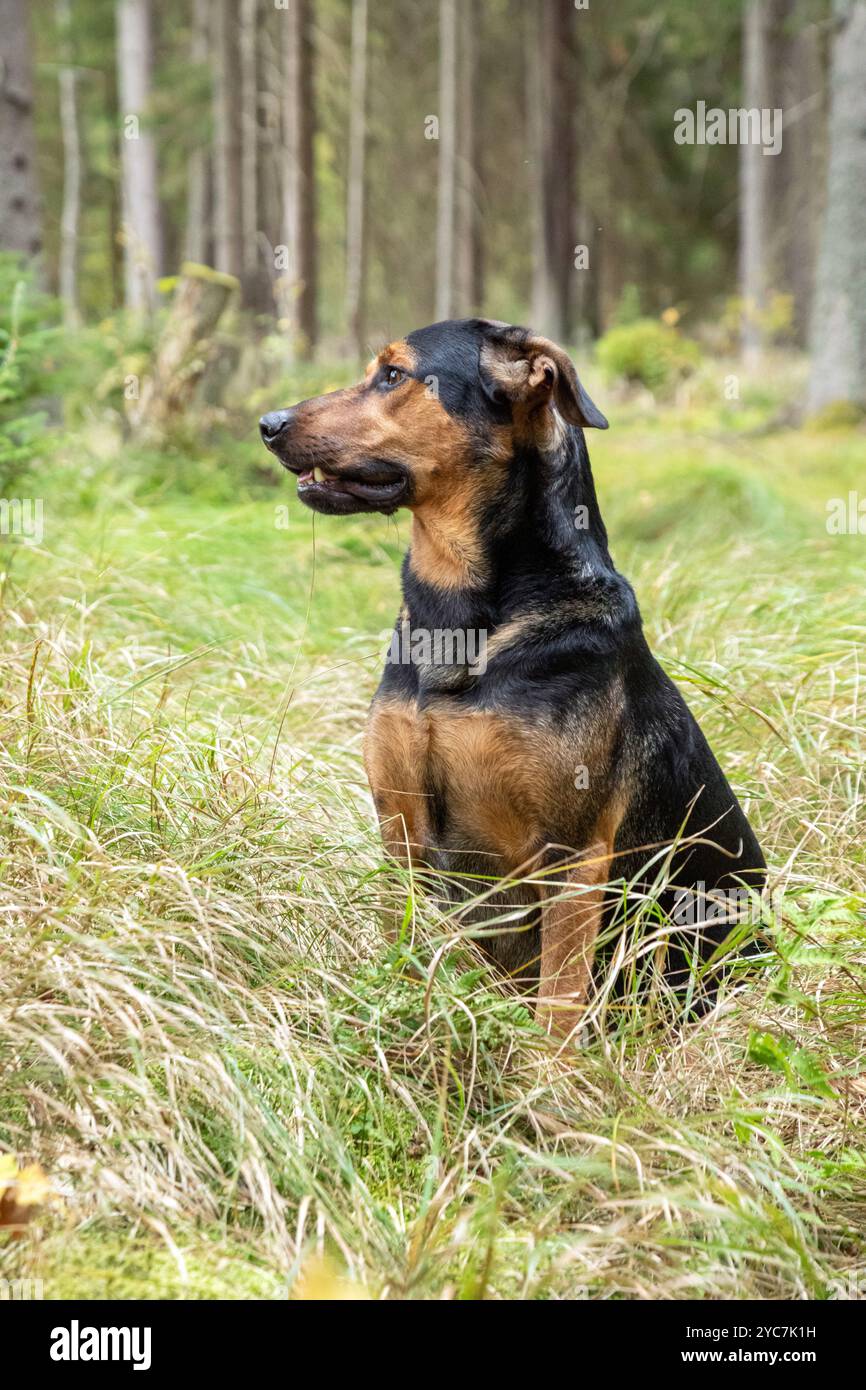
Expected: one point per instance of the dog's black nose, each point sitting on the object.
(275, 424)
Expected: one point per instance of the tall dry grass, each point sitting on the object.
(225, 1072)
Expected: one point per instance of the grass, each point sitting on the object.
(234, 1086)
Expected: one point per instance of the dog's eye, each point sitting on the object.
(394, 375)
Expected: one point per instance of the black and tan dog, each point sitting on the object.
(566, 754)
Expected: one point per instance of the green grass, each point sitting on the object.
(227, 1075)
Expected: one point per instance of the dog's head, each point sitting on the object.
(433, 422)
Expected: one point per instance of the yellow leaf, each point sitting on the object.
(33, 1187)
(23, 1191)
(321, 1281)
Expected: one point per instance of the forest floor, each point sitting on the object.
(234, 1086)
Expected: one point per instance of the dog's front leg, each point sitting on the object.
(571, 914)
(395, 747)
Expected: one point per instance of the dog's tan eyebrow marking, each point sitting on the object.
(398, 354)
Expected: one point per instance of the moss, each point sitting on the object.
(205, 272)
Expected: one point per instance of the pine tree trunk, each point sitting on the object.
(466, 287)
(753, 186)
(356, 176)
(583, 278)
(534, 103)
(256, 290)
(20, 204)
(142, 225)
(551, 99)
(299, 205)
(839, 313)
(804, 152)
(271, 151)
(797, 87)
(447, 158)
(227, 140)
(198, 239)
(71, 211)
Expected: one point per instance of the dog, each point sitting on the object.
(566, 759)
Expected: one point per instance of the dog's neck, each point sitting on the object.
(538, 539)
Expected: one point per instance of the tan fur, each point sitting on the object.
(497, 772)
(571, 918)
(446, 549)
(410, 426)
(504, 782)
(395, 757)
(407, 425)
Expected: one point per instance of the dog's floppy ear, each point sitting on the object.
(524, 368)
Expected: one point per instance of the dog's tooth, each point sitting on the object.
(318, 475)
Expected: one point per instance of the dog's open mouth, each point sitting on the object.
(380, 487)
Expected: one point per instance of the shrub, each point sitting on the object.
(652, 353)
(28, 331)
(774, 320)
(628, 310)
(837, 415)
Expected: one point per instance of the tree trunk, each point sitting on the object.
(227, 141)
(582, 299)
(256, 279)
(753, 186)
(249, 134)
(467, 266)
(183, 350)
(839, 314)
(271, 149)
(198, 239)
(447, 158)
(804, 152)
(20, 204)
(142, 229)
(355, 197)
(71, 211)
(793, 199)
(534, 74)
(299, 205)
(550, 102)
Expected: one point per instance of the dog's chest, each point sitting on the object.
(456, 776)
